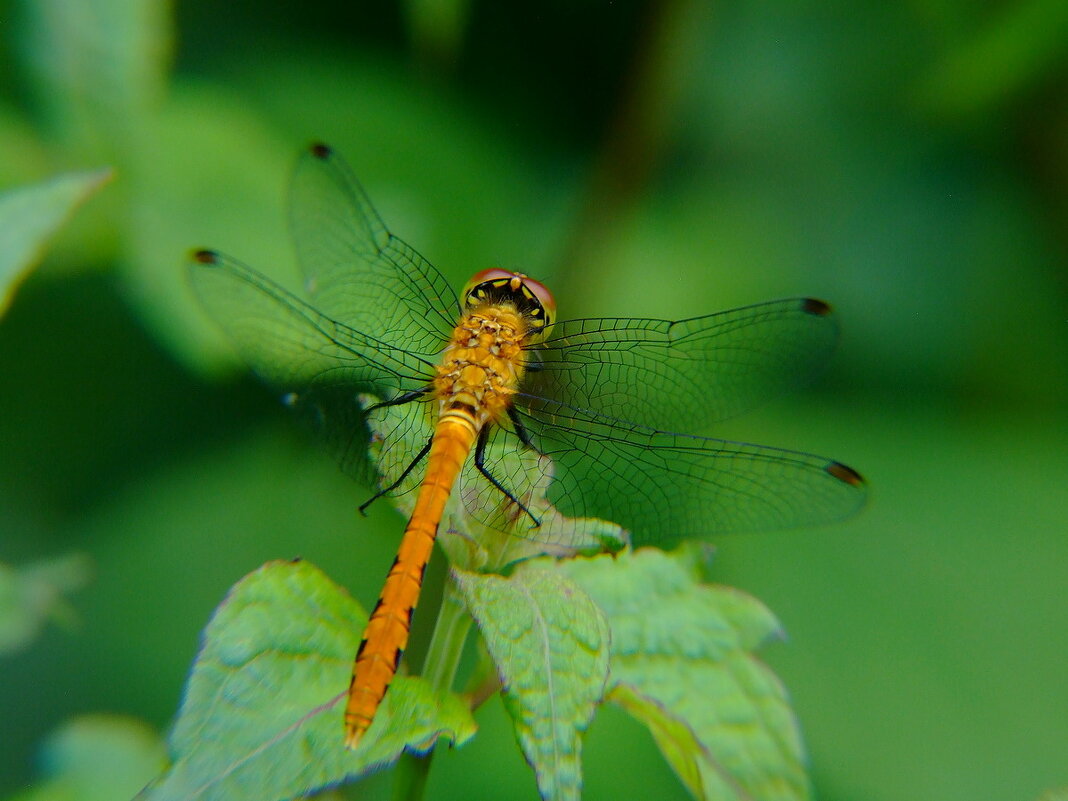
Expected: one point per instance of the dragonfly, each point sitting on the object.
(493, 375)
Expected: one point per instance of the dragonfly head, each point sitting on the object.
(532, 299)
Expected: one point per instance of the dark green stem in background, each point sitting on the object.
(439, 669)
(631, 147)
(437, 29)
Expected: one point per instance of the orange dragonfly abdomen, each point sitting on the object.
(386, 635)
(480, 370)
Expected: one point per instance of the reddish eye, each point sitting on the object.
(532, 298)
(545, 298)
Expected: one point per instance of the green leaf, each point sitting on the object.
(97, 758)
(682, 664)
(31, 595)
(30, 215)
(550, 645)
(262, 714)
(210, 174)
(101, 66)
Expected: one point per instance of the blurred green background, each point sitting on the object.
(907, 162)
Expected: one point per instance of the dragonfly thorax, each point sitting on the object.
(482, 364)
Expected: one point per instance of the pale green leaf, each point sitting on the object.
(97, 758)
(30, 215)
(262, 713)
(101, 66)
(550, 645)
(682, 663)
(34, 594)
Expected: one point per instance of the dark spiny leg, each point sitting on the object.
(400, 400)
(385, 491)
(521, 430)
(480, 457)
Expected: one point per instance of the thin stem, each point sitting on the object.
(635, 137)
(484, 690)
(439, 669)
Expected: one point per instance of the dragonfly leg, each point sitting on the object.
(386, 490)
(480, 463)
(521, 431)
(400, 400)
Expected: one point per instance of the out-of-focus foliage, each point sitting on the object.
(96, 758)
(29, 216)
(906, 162)
(1017, 47)
(33, 594)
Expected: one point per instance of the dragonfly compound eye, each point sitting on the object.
(531, 298)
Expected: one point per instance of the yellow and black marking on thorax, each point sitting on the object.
(482, 365)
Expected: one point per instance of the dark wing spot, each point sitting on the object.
(816, 307)
(846, 474)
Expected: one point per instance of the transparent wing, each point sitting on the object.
(354, 269)
(665, 487)
(682, 376)
(319, 364)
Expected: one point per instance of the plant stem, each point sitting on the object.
(439, 669)
(635, 137)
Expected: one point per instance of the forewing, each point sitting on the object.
(320, 365)
(354, 269)
(682, 376)
(666, 487)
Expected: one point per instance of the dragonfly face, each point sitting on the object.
(532, 299)
(600, 398)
